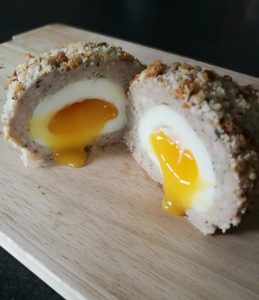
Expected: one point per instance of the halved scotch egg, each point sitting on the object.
(65, 100)
(196, 134)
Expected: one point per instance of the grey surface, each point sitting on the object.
(17, 282)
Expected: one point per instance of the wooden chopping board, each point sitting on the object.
(98, 232)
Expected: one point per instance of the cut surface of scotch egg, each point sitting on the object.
(182, 158)
(77, 115)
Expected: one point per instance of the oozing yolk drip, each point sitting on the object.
(68, 131)
(180, 173)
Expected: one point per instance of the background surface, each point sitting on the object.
(222, 32)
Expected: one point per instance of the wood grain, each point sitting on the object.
(98, 232)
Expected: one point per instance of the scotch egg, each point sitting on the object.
(66, 100)
(189, 130)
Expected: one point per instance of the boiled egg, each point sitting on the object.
(77, 115)
(184, 162)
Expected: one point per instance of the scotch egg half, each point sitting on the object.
(76, 116)
(185, 165)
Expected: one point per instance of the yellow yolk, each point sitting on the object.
(68, 131)
(180, 174)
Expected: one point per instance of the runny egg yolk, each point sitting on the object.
(68, 131)
(180, 173)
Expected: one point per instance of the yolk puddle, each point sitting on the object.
(70, 157)
(180, 173)
(68, 131)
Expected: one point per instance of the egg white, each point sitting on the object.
(84, 89)
(163, 118)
